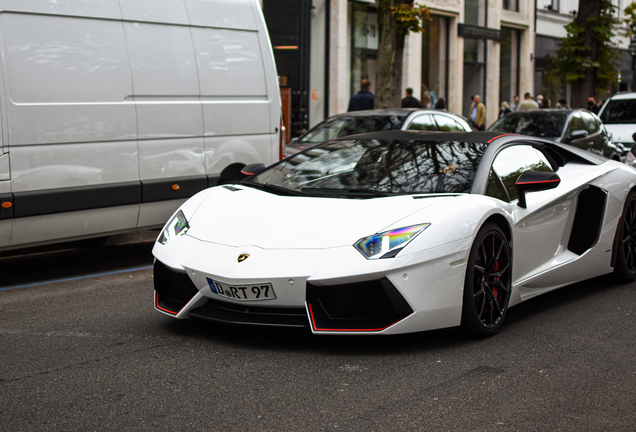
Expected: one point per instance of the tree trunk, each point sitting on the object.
(584, 88)
(388, 78)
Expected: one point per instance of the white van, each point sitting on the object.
(113, 112)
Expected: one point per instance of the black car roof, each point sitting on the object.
(567, 152)
(472, 137)
(381, 112)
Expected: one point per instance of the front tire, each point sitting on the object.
(488, 283)
(625, 265)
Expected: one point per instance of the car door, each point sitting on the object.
(538, 233)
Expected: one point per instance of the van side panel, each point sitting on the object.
(166, 94)
(166, 11)
(50, 166)
(52, 67)
(92, 8)
(230, 63)
(73, 225)
(233, 14)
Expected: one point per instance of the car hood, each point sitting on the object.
(248, 217)
(622, 133)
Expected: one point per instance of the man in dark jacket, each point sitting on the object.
(409, 101)
(364, 99)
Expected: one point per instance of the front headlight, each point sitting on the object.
(387, 244)
(178, 225)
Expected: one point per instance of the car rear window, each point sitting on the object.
(619, 112)
(343, 126)
(547, 124)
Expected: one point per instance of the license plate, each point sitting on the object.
(262, 291)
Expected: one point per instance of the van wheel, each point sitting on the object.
(488, 283)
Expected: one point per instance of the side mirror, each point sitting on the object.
(252, 169)
(578, 134)
(535, 181)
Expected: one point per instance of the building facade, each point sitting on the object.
(552, 16)
(494, 48)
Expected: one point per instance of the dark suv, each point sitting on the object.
(577, 127)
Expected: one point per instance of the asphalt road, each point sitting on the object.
(89, 352)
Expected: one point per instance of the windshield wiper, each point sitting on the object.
(353, 192)
(279, 190)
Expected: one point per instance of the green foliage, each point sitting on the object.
(630, 18)
(574, 57)
(409, 17)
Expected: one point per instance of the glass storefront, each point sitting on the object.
(363, 39)
(474, 54)
(435, 40)
(509, 65)
(288, 23)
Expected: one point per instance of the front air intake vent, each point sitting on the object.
(360, 306)
(173, 290)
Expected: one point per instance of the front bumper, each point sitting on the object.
(424, 288)
(370, 306)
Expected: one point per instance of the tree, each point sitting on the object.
(395, 19)
(586, 58)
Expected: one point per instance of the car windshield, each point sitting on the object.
(342, 126)
(377, 167)
(619, 112)
(546, 124)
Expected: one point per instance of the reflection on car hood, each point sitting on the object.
(622, 133)
(251, 217)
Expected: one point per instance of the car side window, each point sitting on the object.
(423, 122)
(592, 126)
(462, 128)
(509, 164)
(446, 124)
(576, 123)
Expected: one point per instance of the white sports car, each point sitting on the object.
(398, 231)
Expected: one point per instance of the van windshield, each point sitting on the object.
(619, 112)
(343, 126)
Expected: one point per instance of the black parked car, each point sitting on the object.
(577, 127)
(357, 122)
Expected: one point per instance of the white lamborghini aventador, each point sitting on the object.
(397, 231)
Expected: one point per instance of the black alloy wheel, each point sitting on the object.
(625, 264)
(488, 283)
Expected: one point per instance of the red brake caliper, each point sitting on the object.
(495, 290)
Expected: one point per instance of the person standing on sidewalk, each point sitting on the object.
(478, 113)
(528, 103)
(364, 99)
(409, 101)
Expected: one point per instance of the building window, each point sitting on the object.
(435, 60)
(509, 65)
(475, 12)
(363, 37)
(513, 5)
(554, 6)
